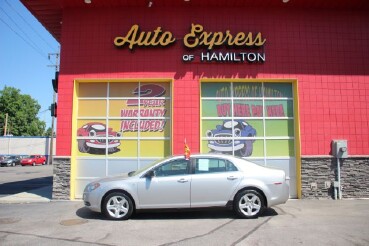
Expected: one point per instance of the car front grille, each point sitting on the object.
(223, 141)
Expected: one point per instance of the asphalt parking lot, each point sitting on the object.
(34, 219)
(298, 222)
(14, 180)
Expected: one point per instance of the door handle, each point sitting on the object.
(232, 178)
(182, 180)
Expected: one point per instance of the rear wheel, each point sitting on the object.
(33, 164)
(117, 206)
(249, 204)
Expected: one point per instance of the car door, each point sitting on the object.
(213, 182)
(168, 188)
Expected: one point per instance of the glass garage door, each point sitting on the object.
(253, 120)
(118, 123)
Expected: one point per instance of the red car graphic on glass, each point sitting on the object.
(97, 132)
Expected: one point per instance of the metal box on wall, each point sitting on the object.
(339, 148)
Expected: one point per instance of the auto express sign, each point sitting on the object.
(245, 44)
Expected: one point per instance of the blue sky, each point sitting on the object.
(24, 48)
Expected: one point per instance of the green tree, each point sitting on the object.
(48, 132)
(22, 113)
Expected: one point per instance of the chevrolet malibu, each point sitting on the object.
(206, 180)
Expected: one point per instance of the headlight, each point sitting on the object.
(237, 132)
(92, 187)
(209, 133)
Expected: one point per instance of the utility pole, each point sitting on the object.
(6, 123)
(54, 100)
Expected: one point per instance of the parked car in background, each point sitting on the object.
(33, 160)
(206, 180)
(10, 161)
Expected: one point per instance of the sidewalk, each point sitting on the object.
(37, 195)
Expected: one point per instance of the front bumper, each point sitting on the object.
(101, 146)
(92, 201)
(225, 148)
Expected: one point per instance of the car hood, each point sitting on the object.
(122, 176)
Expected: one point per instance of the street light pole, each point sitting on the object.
(52, 134)
(53, 117)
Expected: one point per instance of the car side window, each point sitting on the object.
(212, 165)
(230, 167)
(172, 168)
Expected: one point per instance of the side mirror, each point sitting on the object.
(150, 174)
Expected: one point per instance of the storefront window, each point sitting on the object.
(252, 120)
(118, 123)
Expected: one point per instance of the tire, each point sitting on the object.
(247, 149)
(249, 204)
(33, 164)
(82, 147)
(117, 206)
(112, 150)
(13, 164)
(44, 162)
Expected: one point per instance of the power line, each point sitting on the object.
(25, 34)
(29, 24)
(22, 38)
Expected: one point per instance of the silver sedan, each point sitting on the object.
(206, 180)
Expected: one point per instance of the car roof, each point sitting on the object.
(210, 155)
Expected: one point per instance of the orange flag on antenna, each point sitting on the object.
(187, 151)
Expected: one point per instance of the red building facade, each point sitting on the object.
(314, 57)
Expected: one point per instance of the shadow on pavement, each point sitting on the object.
(85, 213)
(28, 185)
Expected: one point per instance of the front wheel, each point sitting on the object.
(249, 204)
(117, 206)
(34, 164)
(247, 149)
(82, 146)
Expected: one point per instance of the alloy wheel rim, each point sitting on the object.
(250, 204)
(117, 206)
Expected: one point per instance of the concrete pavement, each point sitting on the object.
(32, 218)
(304, 222)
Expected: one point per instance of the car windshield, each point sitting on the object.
(143, 169)
(98, 128)
(32, 156)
